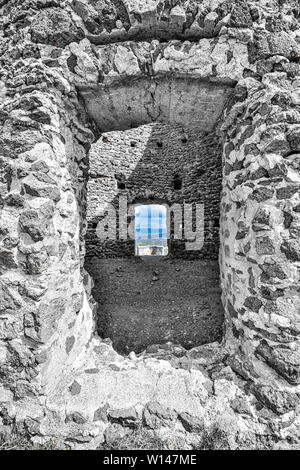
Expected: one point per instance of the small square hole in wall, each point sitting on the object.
(177, 183)
(133, 143)
(201, 172)
(159, 144)
(121, 185)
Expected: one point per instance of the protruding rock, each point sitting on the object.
(125, 416)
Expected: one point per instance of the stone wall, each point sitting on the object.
(260, 224)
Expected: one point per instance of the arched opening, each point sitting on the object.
(151, 231)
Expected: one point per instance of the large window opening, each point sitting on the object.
(150, 288)
(151, 234)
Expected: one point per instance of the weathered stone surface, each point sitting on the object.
(36, 263)
(70, 343)
(52, 52)
(253, 303)
(291, 249)
(156, 415)
(273, 270)
(8, 259)
(54, 26)
(285, 361)
(75, 388)
(191, 423)
(101, 413)
(279, 401)
(241, 406)
(262, 194)
(264, 246)
(31, 224)
(8, 301)
(75, 418)
(34, 187)
(113, 433)
(232, 312)
(287, 192)
(125, 416)
(261, 220)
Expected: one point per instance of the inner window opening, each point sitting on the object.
(177, 183)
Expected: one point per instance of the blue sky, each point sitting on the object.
(151, 221)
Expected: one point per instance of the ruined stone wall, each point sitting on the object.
(148, 161)
(42, 166)
(56, 378)
(260, 223)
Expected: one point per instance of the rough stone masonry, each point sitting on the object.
(175, 298)
(71, 70)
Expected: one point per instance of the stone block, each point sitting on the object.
(283, 360)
